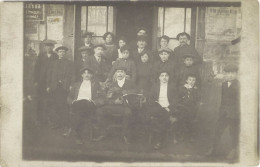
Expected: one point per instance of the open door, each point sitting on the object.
(130, 18)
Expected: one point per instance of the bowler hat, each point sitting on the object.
(125, 48)
(84, 48)
(87, 34)
(49, 42)
(163, 70)
(99, 45)
(61, 48)
(141, 28)
(188, 55)
(121, 68)
(164, 50)
(90, 70)
(142, 38)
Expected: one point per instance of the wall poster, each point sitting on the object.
(55, 27)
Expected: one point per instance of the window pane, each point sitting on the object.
(188, 20)
(110, 18)
(160, 22)
(174, 21)
(173, 43)
(97, 19)
(83, 18)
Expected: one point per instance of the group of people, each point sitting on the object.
(166, 83)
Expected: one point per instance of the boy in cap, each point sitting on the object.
(98, 63)
(163, 42)
(188, 67)
(80, 62)
(184, 48)
(141, 48)
(229, 112)
(60, 76)
(83, 99)
(160, 107)
(126, 63)
(43, 64)
(187, 104)
(115, 104)
(164, 64)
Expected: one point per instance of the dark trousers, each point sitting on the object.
(159, 121)
(82, 113)
(42, 96)
(222, 124)
(113, 110)
(186, 118)
(59, 109)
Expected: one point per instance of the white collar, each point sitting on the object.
(86, 81)
(163, 84)
(189, 86)
(121, 82)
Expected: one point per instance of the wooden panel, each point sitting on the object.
(76, 31)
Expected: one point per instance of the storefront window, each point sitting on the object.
(97, 19)
(172, 21)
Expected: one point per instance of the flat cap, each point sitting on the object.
(61, 48)
(231, 68)
(164, 50)
(90, 70)
(49, 42)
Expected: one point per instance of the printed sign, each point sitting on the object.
(34, 12)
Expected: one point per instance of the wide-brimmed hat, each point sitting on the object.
(49, 42)
(61, 48)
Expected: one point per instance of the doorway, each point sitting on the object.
(130, 18)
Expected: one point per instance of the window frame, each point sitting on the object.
(163, 26)
(107, 13)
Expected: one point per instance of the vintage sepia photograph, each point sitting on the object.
(132, 81)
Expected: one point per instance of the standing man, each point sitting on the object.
(229, 112)
(184, 48)
(43, 64)
(98, 63)
(59, 79)
(80, 62)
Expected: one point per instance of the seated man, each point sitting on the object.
(160, 104)
(115, 104)
(83, 99)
